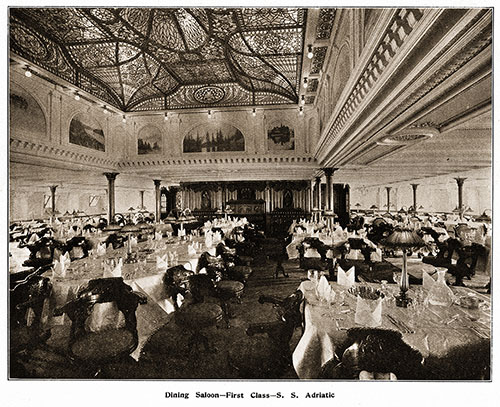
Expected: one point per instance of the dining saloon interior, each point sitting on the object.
(250, 193)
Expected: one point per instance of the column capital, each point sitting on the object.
(111, 175)
(388, 188)
(157, 182)
(460, 181)
(53, 187)
(414, 186)
(329, 171)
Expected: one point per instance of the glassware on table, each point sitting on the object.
(440, 293)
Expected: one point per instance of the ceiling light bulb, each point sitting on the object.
(124, 119)
(165, 117)
(310, 53)
(28, 73)
(303, 100)
(254, 113)
(77, 96)
(305, 82)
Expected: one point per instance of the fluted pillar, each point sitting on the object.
(157, 199)
(388, 189)
(111, 176)
(414, 186)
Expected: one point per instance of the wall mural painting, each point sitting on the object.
(85, 131)
(214, 138)
(149, 141)
(281, 138)
(26, 115)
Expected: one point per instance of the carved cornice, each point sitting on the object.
(216, 160)
(58, 152)
(398, 30)
(473, 41)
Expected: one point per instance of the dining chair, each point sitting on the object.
(94, 349)
(381, 352)
(466, 263)
(27, 294)
(268, 355)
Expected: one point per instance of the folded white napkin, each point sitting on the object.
(116, 272)
(217, 236)
(376, 256)
(133, 241)
(34, 237)
(191, 250)
(345, 278)
(354, 254)
(368, 312)
(101, 249)
(208, 239)
(427, 280)
(162, 262)
(324, 291)
(61, 265)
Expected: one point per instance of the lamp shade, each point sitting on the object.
(130, 228)
(112, 227)
(403, 238)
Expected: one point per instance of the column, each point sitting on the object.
(414, 186)
(157, 199)
(141, 194)
(53, 202)
(329, 190)
(388, 189)
(317, 191)
(460, 183)
(111, 176)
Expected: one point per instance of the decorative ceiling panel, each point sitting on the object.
(175, 58)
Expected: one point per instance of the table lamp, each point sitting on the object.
(404, 239)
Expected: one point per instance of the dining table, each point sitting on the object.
(435, 331)
(144, 275)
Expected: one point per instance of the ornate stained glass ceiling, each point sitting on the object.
(154, 59)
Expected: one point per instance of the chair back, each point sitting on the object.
(108, 344)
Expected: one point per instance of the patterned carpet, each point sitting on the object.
(234, 354)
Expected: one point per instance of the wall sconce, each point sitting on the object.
(27, 73)
(305, 83)
(124, 119)
(303, 100)
(310, 53)
(301, 110)
(209, 114)
(77, 96)
(105, 110)
(254, 112)
(165, 116)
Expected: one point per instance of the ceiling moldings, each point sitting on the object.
(409, 136)
(375, 152)
(397, 32)
(318, 60)
(139, 59)
(477, 30)
(325, 23)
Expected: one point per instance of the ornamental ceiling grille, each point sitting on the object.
(140, 59)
